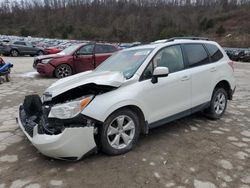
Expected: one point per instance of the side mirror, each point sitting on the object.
(159, 72)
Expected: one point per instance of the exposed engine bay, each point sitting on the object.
(34, 111)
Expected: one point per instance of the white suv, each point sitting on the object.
(133, 91)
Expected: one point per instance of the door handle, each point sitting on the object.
(184, 78)
(213, 69)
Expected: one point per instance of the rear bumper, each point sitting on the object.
(71, 144)
(45, 69)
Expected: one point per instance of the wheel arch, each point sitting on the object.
(225, 85)
(139, 113)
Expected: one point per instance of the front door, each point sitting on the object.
(170, 95)
(84, 58)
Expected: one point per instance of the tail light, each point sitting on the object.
(231, 63)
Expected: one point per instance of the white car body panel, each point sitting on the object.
(101, 78)
(63, 144)
(178, 92)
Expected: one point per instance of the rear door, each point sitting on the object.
(21, 47)
(83, 59)
(202, 73)
(102, 52)
(30, 49)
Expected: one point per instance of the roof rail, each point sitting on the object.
(188, 38)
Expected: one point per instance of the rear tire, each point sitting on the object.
(62, 71)
(40, 53)
(120, 132)
(218, 104)
(14, 53)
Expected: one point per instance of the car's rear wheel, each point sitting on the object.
(218, 104)
(62, 71)
(14, 53)
(120, 132)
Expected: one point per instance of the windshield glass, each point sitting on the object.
(126, 62)
(70, 50)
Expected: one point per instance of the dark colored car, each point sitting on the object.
(74, 59)
(20, 48)
(244, 56)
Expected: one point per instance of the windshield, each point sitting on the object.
(70, 50)
(126, 62)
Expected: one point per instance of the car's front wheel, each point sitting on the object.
(63, 70)
(120, 132)
(218, 103)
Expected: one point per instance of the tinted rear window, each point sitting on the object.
(214, 52)
(196, 54)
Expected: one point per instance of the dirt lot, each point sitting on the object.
(191, 152)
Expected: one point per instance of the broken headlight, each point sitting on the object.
(69, 109)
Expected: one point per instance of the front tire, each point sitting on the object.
(218, 104)
(62, 71)
(120, 132)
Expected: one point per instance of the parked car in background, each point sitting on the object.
(74, 59)
(244, 56)
(129, 45)
(52, 50)
(17, 48)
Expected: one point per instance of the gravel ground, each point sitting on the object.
(191, 152)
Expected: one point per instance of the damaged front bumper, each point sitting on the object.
(72, 143)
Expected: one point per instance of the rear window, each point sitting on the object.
(196, 54)
(214, 52)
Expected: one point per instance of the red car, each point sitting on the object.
(52, 50)
(74, 59)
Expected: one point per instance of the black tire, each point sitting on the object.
(217, 107)
(40, 52)
(62, 71)
(106, 146)
(14, 53)
(7, 77)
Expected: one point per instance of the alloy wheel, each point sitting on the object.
(63, 71)
(219, 103)
(121, 132)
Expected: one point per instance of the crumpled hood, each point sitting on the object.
(114, 79)
(50, 56)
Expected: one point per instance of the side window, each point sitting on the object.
(214, 52)
(196, 54)
(100, 49)
(20, 43)
(86, 50)
(110, 48)
(148, 72)
(170, 57)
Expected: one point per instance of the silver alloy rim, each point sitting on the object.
(14, 53)
(63, 71)
(219, 103)
(121, 132)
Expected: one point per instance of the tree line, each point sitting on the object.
(123, 20)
